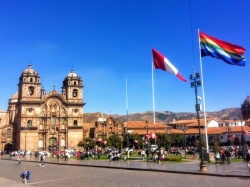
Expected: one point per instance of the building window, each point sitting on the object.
(31, 79)
(40, 143)
(75, 122)
(42, 120)
(8, 132)
(221, 137)
(40, 127)
(29, 124)
(74, 93)
(53, 120)
(64, 120)
(31, 90)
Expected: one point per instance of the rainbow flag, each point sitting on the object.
(229, 53)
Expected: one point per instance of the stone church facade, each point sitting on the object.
(37, 120)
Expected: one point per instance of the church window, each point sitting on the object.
(31, 90)
(74, 82)
(75, 122)
(29, 124)
(8, 132)
(31, 79)
(30, 109)
(40, 143)
(74, 93)
(53, 120)
(42, 120)
(64, 120)
(62, 142)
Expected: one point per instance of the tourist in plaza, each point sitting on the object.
(19, 160)
(228, 156)
(223, 156)
(155, 157)
(88, 154)
(42, 160)
(217, 157)
(143, 154)
(110, 156)
(25, 176)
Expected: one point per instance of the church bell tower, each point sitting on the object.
(29, 85)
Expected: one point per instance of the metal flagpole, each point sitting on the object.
(203, 95)
(153, 95)
(127, 114)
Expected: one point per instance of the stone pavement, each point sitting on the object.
(238, 169)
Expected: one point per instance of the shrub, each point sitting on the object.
(174, 158)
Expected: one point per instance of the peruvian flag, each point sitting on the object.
(161, 62)
(153, 135)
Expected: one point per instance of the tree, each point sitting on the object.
(115, 141)
(86, 143)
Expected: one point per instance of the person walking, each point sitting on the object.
(42, 160)
(19, 160)
(143, 154)
(228, 156)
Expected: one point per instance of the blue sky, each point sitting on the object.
(107, 41)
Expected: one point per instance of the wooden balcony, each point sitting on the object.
(75, 127)
(29, 128)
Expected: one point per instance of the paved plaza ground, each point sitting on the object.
(136, 173)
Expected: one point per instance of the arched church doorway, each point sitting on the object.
(52, 144)
(7, 148)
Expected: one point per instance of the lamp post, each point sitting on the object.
(147, 140)
(127, 137)
(229, 134)
(2, 143)
(184, 130)
(194, 84)
(242, 139)
(26, 129)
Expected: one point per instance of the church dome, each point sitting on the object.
(247, 101)
(72, 74)
(101, 118)
(30, 70)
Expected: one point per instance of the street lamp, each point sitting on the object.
(229, 134)
(194, 84)
(242, 139)
(26, 128)
(147, 140)
(127, 137)
(184, 130)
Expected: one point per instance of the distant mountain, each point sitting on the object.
(166, 116)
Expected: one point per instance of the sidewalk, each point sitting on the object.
(238, 169)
